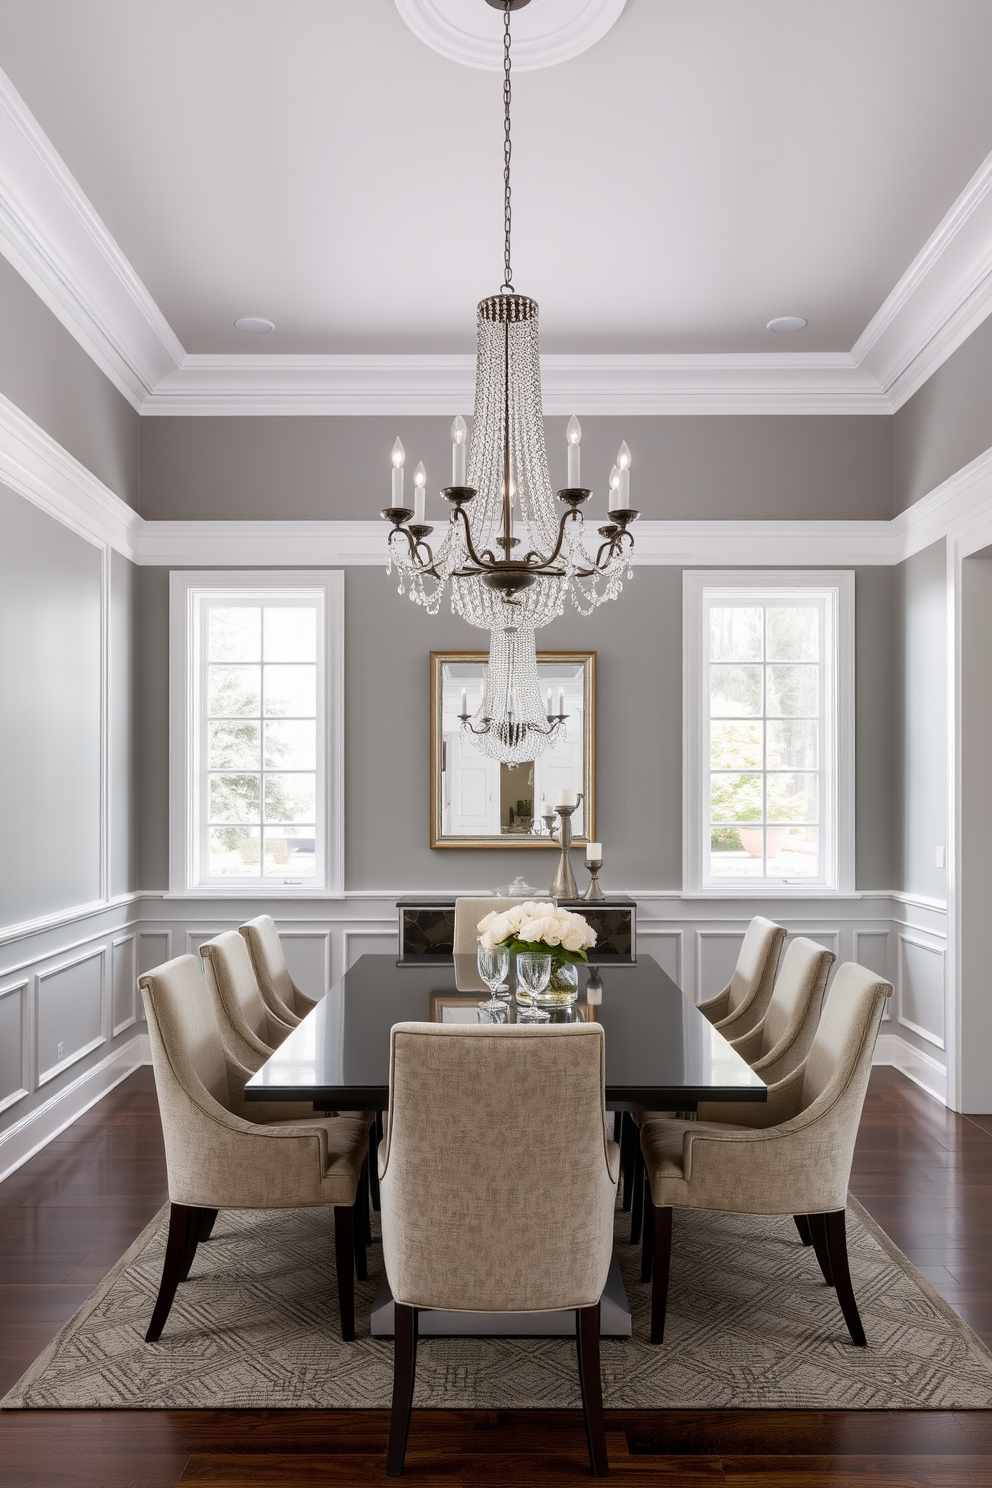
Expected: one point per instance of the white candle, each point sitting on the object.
(623, 488)
(398, 457)
(566, 797)
(545, 808)
(459, 450)
(549, 702)
(419, 494)
(561, 701)
(573, 434)
(464, 701)
(594, 852)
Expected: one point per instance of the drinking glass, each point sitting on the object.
(533, 975)
(493, 966)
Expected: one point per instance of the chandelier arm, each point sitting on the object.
(418, 563)
(459, 513)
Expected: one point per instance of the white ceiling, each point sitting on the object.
(708, 165)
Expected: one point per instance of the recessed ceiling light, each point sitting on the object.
(782, 324)
(254, 325)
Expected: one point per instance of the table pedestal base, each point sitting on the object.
(614, 1315)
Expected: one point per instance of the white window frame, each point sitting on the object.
(838, 762)
(186, 592)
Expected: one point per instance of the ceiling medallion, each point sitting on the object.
(545, 33)
(507, 557)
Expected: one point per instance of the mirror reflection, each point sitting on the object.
(479, 801)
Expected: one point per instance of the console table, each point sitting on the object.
(427, 925)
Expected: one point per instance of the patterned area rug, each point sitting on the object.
(750, 1325)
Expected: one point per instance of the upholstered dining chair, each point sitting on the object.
(468, 913)
(279, 992)
(477, 1214)
(250, 1029)
(791, 1155)
(774, 1049)
(222, 1153)
(742, 1003)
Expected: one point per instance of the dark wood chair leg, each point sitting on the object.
(180, 1218)
(637, 1202)
(375, 1134)
(629, 1137)
(359, 1221)
(591, 1385)
(404, 1371)
(647, 1234)
(818, 1235)
(661, 1265)
(836, 1233)
(193, 1231)
(344, 1258)
(207, 1223)
(802, 1225)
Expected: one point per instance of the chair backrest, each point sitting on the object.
(231, 981)
(793, 1014)
(840, 1057)
(498, 1178)
(468, 913)
(191, 1076)
(754, 975)
(269, 964)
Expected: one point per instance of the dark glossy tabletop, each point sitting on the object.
(661, 1053)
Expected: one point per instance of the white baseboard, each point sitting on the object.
(921, 1068)
(27, 1136)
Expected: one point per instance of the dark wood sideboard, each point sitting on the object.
(427, 925)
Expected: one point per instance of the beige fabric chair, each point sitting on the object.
(250, 1030)
(790, 1156)
(741, 1005)
(468, 913)
(279, 992)
(498, 1184)
(785, 1034)
(222, 1153)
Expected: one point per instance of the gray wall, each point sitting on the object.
(683, 468)
(921, 722)
(49, 376)
(947, 423)
(638, 741)
(50, 650)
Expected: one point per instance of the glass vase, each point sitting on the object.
(563, 988)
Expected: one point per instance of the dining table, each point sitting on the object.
(662, 1054)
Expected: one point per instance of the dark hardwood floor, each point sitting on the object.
(67, 1215)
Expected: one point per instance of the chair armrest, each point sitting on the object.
(716, 1007)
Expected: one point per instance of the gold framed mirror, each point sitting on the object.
(477, 802)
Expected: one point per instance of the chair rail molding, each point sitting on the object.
(51, 233)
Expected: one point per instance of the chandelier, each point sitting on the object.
(508, 560)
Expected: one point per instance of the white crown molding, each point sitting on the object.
(552, 32)
(53, 236)
(34, 465)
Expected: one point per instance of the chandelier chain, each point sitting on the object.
(507, 151)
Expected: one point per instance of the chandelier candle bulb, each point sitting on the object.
(464, 712)
(459, 451)
(574, 436)
(549, 703)
(623, 485)
(398, 457)
(561, 701)
(419, 494)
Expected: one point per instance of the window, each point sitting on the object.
(769, 742)
(256, 733)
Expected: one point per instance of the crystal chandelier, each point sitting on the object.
(507, 558)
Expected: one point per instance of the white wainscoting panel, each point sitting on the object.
(383, 940)
(14, 1042)
(71, 1000)
(716, 959)
(154, 948)
(871, 949)
(124, 984)
(665, 945)
(921, 988)
(308, 956)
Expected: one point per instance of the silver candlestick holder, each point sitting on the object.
(549, 822)
(564, 886)
(593, 865)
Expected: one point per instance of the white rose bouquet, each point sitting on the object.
(538, 927)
